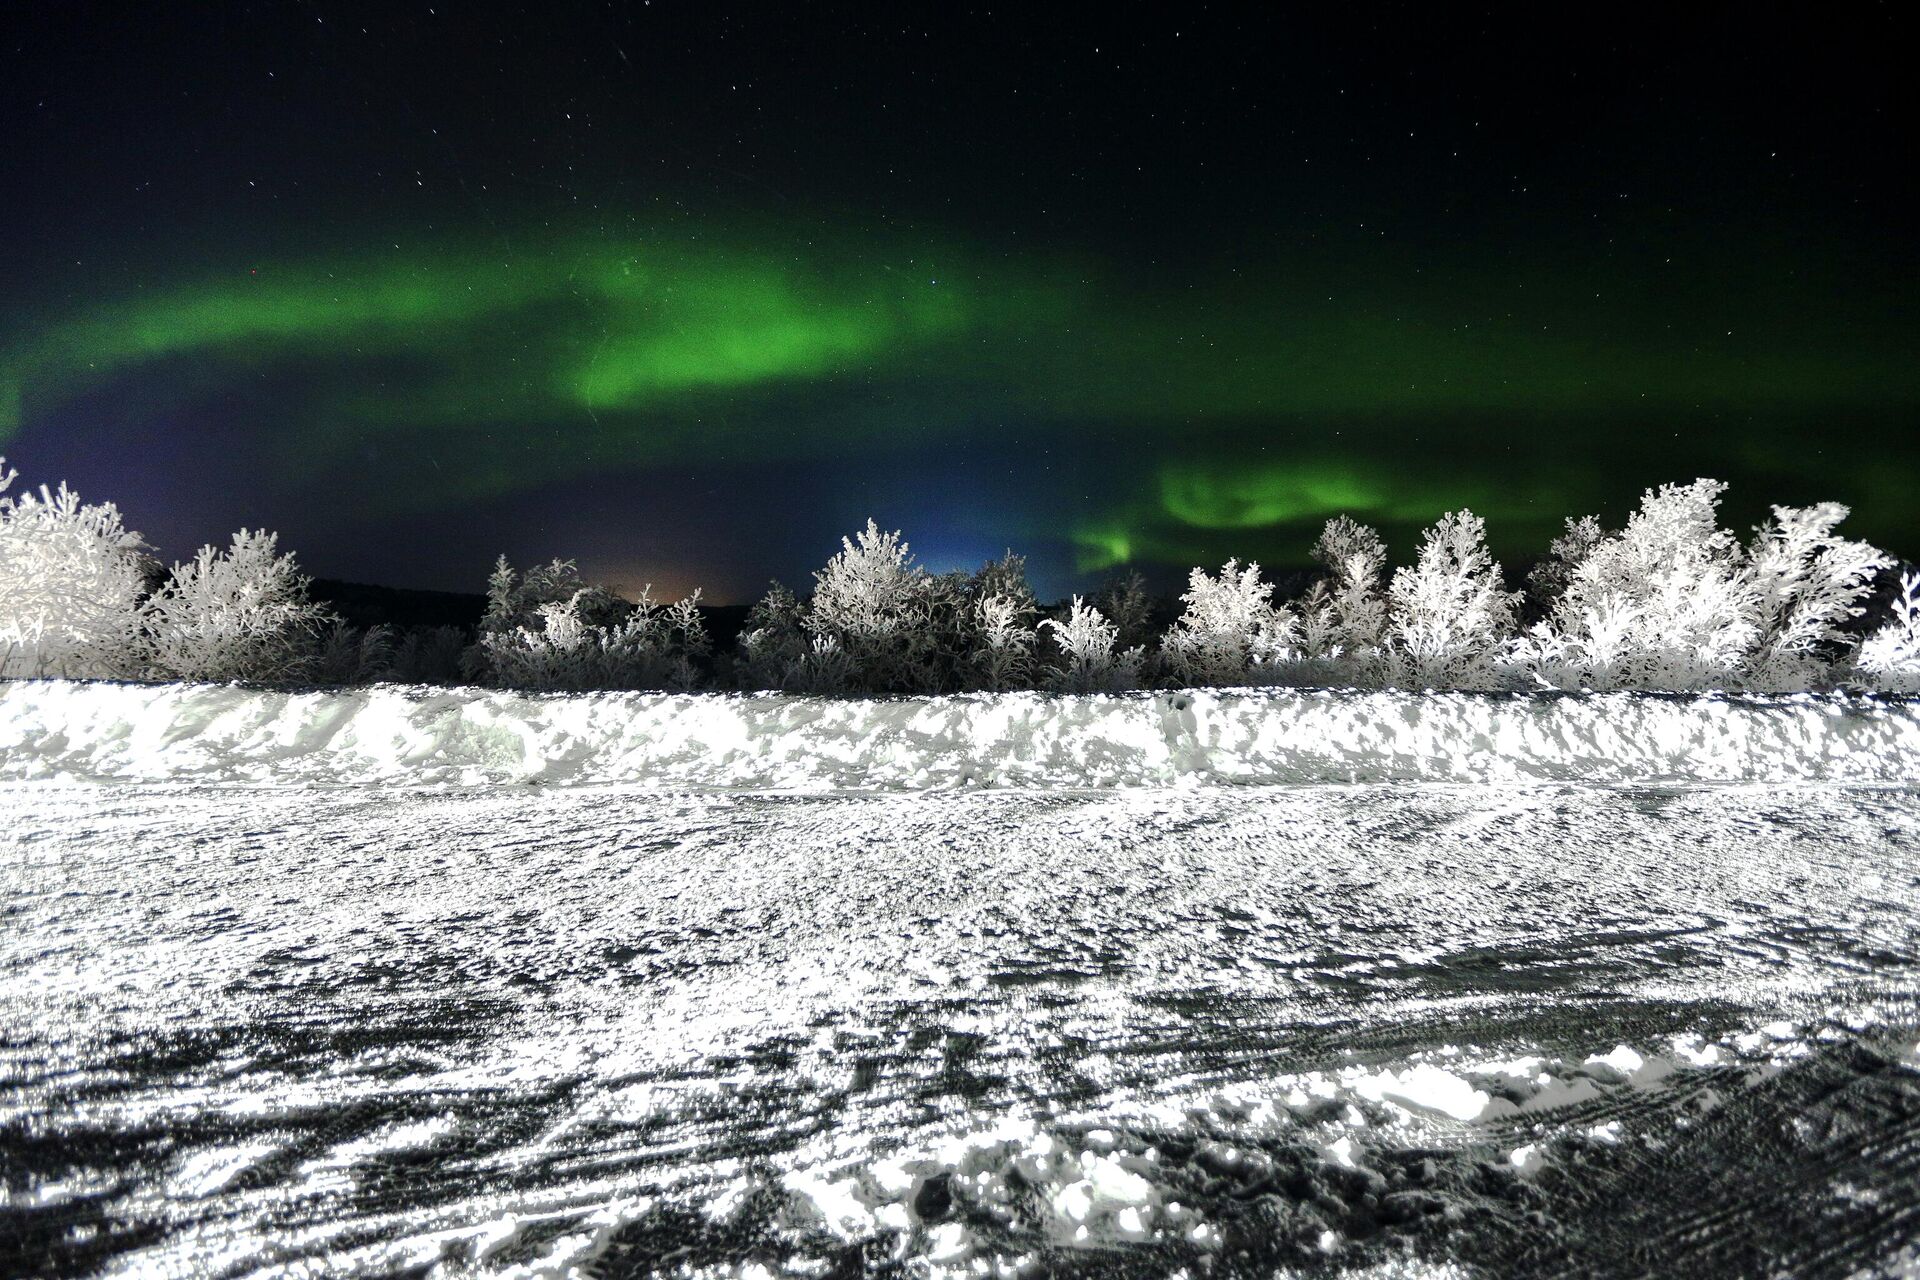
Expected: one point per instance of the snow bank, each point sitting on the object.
(418, 736)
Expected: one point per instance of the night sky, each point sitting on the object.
(686, 291)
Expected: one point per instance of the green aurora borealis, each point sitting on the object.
(1097, 390)
(659, 352)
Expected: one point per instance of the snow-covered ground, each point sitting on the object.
(396, 735)
(1511, 1027)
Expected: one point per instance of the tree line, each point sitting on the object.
(1670, 601)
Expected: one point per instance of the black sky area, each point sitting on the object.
(685, 291)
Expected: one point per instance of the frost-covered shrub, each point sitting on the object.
(879, 623)
(241, 614)
(776, 651)
(774, 645)
(1343, 617)
(998, 635)
(590, 640)
(1889, 658)
(883, 616)
(1231, 632)
(1662, 604)
(950, 634)
(514, 599)
(550, 629)
(1086, 657)
(1674, 602)
(1005, 577)
(71, 579)
(1549, 579)
(1805, 585)
(1449, 616)
(1001, 653)
(867, 605)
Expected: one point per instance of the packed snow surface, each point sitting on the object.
(1509, 1029)
(415, 736)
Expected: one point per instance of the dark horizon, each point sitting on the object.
(685, 294)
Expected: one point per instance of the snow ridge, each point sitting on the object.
(409, 735)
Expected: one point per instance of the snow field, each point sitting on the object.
(1388, 1030)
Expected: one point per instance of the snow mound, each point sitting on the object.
(395, 735)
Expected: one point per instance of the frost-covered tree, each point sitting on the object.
(1005, 577)
(1674, 602)
(514, 599)
(663, 645)
(1889, 658)
(1231, 632)
(949, 627)
(1343, 617)
(997, 635)
(1806, 584)
(1665, 603)
(876, 609)
(777, 651)
(549, 628)
(1087, 659)
(880, 623)
(774, 644)
(1569, 551)
(1001, 652)
(651, 645)
(1450, 617)
(238, 614)
(71, 579)
(556, 649)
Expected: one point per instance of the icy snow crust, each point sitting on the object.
(394, 735)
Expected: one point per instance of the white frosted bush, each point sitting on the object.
(880, 623)
(1343, 617)
(1001, 654)
(1124, 602)
(653, 646)
(1006, 577)
(1450, 618)
(873, 615)
(549, 629)
(1088, 660)
(773, 645)
(71, 579)
(945, 635)
(997, 627)
(1806, 583)
(776, 650)
(1231, 632)
(514, 599)
(1662, 604)
(1674, 602)
(1889, 658)
(241, 614)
